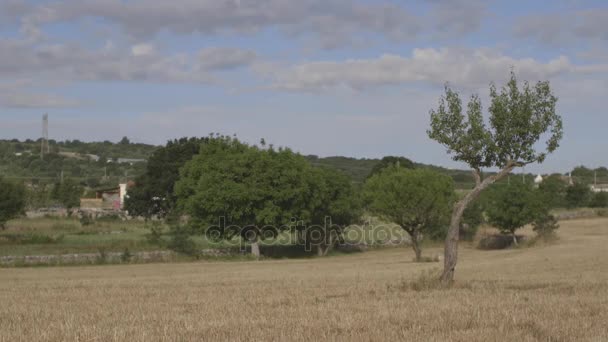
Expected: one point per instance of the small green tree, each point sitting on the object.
(12, 201)
(545, 225)
(418, 201)
(512, 206)
(578, 195)
(518, 120)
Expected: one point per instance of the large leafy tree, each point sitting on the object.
(153, 194)
(519, 119)
(512, 206)
(250, 188)
(419, 201)
(12, 200)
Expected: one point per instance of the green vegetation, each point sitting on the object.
(254, 193)
(578, 195)
(12, 200)
(153, 194)
(519, 120)
(90, 163)
(419, 201)
(513, 206)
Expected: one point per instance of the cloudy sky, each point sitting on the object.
(326, 77)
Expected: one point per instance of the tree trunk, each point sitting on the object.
(416, 245)
(255, 249)
(514, 239)
(451, 240)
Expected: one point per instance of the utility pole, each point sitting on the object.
(44, 144)
(595, 178)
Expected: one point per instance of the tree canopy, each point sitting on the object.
(256, 189)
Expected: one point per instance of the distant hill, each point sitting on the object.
(359, 169)
(90, 162)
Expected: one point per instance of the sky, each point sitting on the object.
(328, 77)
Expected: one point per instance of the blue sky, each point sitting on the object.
(325, 77)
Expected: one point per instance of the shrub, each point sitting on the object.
(182, 243)
(599, 200)
(156, 234)
(545, 226)
(126, 255)
(86, 220)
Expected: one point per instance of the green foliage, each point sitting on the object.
(153, 194)
(390, 161)
(518, 120)
(86, 220)
(68, 193)
(599, 200)
(545, 225)
(419, 201)
(512, 206)
(553, 190)
(12, 201)
(336, 198)
(182, 243)
(250, 190)
(578, 195)
(126, 255)
(21, 160)
(471, 220)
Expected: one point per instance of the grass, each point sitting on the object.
(54, 236)
(554, 292)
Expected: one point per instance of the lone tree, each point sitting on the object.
(417, 200)
(518, 120)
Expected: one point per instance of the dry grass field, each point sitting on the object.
(556, 292)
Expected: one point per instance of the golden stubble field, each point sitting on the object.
(555, 292)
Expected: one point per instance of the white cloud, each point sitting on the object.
(462, 67)
(72, 62)
(143, 49)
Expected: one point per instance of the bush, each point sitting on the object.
(156, 234)
(182, 243)
(126, 255)
(545, 226)
(578, 195)
(599, 200)
(86, 220)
